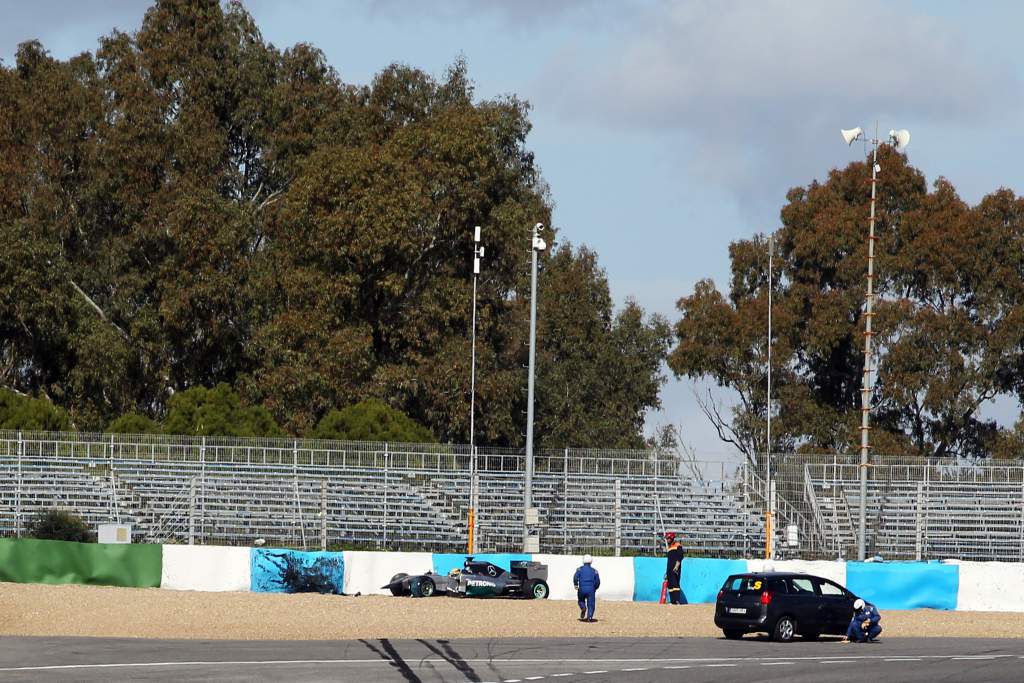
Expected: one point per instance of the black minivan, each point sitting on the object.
(782, 605)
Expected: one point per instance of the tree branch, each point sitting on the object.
(96, 308)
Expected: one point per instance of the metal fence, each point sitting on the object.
(325, 494)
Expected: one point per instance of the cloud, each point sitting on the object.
(516, 14)
(756, 89)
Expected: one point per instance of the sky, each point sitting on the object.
(667, 130)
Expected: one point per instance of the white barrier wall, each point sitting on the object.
(616, 576)
(205, 568)
(835, 571)
(991, 587)
(366, 571)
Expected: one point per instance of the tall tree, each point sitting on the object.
(947, 318)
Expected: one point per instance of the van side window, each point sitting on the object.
(777, 586)
(829, 588)
(801, 585)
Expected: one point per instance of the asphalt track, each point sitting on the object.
(566, 660)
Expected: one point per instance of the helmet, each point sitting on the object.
(858, 604)
(587, 559)
(670, 536)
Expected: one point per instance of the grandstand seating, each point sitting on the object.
(179, 492)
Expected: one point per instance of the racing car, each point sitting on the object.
(477, 579)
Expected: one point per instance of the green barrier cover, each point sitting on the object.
(102, 564)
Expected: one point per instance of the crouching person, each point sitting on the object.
(864, 626)
(586, 580)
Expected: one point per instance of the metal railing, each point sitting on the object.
(309, 493)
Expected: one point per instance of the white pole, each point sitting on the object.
(528, 483)
(865, 401)
(478, 253)
(770, 530)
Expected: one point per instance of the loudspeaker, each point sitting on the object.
(850, 135)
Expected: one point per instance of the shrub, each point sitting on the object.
(371, 420)
(217, 412)
(56, 524)
(25, 412)
(134, 423)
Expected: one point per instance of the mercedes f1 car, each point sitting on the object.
(477, 579)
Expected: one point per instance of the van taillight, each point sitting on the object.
(766, 598)
(720, 595)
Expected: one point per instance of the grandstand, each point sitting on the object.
(316, 494)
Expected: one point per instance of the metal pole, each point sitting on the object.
(115, 511)
(565, 504)
(528, 474)
(385, 495)
(769, 529)
(918, 545)
(17, 490)
(323, 514)
(298, 501)
(192, 511)
(202, 491)
(866, 387)
(618, 517)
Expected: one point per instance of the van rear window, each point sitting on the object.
(747, 585)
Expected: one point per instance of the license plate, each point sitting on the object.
(737, 610)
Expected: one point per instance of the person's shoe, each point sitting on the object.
(583, 614)
(591, 620)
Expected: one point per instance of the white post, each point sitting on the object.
(618, 518)
(192, 511)
(17, 490)
(115, 513)
(323, 514)
(920, 521)
(298, 500)
(385, 496)
(202, 491)
(565, 504)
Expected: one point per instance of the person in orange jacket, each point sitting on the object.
(674, 568)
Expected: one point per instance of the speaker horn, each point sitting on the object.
(852, 134)
(899, 138)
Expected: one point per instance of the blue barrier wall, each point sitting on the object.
(293, 571)
(904, 585)
(700, 581)
(445, 562)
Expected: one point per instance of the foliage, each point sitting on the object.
(133, 423)
(371, 420)
(191, 206)
(55, 524)
(217, 412)
(947, 319)
(27, 413)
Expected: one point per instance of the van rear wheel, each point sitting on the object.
(784, 629)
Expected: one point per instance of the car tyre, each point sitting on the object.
(427, 587)
(398, 590)
(537, 590)
(733, 633)
(784, 629)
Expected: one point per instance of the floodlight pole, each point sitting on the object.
(478, 253)
(866, 387)
(769, 551)
(536, 244)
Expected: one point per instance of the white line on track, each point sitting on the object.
(595, 672)
(560, 675)
(639, 668)
(903, 659)
(533, 678)
(690, 662)
(775, 663)
(713, 666)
